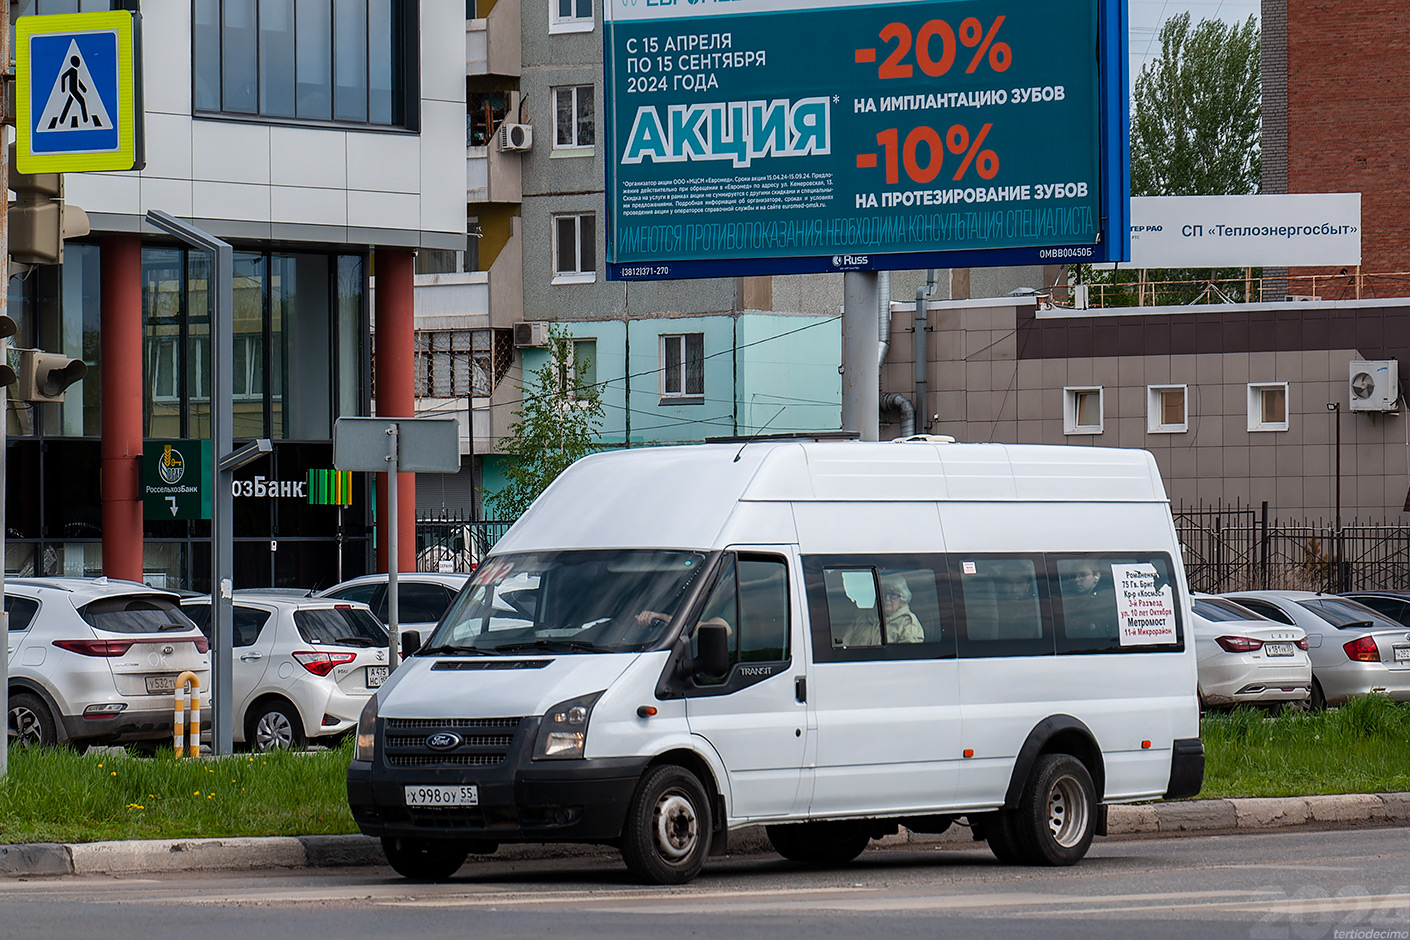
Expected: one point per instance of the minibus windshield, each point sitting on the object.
(597, 601)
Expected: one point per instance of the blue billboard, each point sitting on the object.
(791, 136)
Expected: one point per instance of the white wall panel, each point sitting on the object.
(383, 210)
(305, 156)
(442, 43)
(308, 205)
(172, 196)
(103, 192)
(385, 162)
(168, 146)
(229, 152)
(443, 167)
(166, 48)
(239, 201)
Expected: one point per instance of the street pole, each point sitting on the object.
(222, 473)
(6, 121)
(393, 609)
(861, 368)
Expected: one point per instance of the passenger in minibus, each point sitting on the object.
(902, 626)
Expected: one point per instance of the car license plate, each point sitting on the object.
(1278, 649)
(464, 795)
(376, 675)
(1402, 654)
(161, 684)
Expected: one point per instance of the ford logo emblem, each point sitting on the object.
(443, 741)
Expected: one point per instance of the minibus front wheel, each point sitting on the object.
(667, 832)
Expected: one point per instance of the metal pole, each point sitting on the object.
(4, 403)
(221, 475)
(393, 620)
(861, 371)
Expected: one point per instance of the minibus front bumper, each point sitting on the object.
(518, 799)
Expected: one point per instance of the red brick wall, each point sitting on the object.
(1348, 124)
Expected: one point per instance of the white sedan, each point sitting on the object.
(1247, 659)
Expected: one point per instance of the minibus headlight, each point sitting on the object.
(563, 731)
(365, 746)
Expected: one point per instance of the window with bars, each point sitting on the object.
(683, 366)
(459, 363)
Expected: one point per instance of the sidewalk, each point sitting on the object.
(247, 854)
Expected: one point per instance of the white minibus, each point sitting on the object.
(832, 639)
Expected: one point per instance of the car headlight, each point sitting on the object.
(365, 746)
(563, 732)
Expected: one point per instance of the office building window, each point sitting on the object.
(683, 366)
(573, 126)
(1082, 411)
(574, 248)
(1166, 410)
(570, 16)
(1268, 406)
(351, 61)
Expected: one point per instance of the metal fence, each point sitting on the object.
(1239, 548)
(454, 542)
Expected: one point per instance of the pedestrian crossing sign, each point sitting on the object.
(78, 92)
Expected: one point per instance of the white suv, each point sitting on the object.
(302, 667)
(95, 660)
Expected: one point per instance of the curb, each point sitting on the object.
(257, 853)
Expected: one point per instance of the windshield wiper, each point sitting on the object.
(453, 649)
(573, 646)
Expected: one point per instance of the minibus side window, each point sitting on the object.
(1003, 600)
(881, 607)
(1115, 603)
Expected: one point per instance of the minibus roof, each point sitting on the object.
(685, 496)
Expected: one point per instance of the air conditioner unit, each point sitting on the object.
(1374, 385)
(530, 333)
(1301, 298)
(516, 136)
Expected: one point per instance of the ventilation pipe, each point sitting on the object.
(923, 292)
(883, 317)
(892, 401)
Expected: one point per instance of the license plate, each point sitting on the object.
(376, 675)
(1402, 654)
(465, 795)
(1278, 649)
(161, 684)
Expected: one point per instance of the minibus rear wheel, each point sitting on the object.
(819, 843)
(425, 859)
(1056, 814)
(667, 833)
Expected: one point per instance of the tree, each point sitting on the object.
(1195, 131)
(1196, 112)
(559, 421)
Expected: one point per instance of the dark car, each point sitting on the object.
(1394, 604)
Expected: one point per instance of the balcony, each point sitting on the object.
(492, 43)
(493, 175)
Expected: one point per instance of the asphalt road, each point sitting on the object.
(1346, 885)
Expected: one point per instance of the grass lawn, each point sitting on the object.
(58, 795)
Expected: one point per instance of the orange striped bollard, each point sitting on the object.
(188, 701)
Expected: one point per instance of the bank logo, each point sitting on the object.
(443, 741)
(172, 467)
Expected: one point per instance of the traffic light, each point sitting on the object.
(7, 329)
(39, 220)
(44, 375)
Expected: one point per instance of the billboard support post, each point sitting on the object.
(861, 367)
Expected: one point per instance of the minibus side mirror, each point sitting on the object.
(712, 645)
(410, 642)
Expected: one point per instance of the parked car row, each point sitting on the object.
(95, 660)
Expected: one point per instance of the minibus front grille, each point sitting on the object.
(417, 742)
(459, 742)
(417, 724)
(457, 760)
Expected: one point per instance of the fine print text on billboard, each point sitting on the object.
(776, 136)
